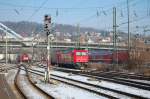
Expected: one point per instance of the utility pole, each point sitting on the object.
(47, 23)
(87, 38)
(78, 36)
(32, 46)
(129, 35)
(6, 48)
(114, 34)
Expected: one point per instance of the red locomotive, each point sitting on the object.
(23, 58)
(72, 58)
(80, 56)
(69, 58)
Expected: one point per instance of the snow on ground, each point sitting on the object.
(107, 84)
(26, 87)
(11, 75)
(10, 79)
(22, 71)
(64, 91)
(119, 96)
(38, 68)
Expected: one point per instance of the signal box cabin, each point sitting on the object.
(80, 56)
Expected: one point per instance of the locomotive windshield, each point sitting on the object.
(81, 53)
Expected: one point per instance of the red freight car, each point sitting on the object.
(109, 57)
(121, 56)
(100, 56)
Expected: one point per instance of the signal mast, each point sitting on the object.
(47, 28)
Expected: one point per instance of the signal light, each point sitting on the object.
(47, 19)
(46, 26)
(47, 22)
(47, 33)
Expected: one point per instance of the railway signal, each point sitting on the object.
(47, 23)
(47, 29)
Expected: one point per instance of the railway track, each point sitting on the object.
(8, 68)
(106, 74)
(127, 82)
(140, 85)
(108, 90)
(111, 78)
(35, 90)
(122, 75)
(97, 88)
(81, 85)
(17, 87)
(40, 73)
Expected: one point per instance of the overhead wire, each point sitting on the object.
(38, 9)
(55, 8)
(131, 21)
(104, 11)
(62, 8)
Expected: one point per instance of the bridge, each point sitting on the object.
(10, 32)
(19, 42)
(60, 44)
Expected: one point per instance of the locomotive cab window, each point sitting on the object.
(78, 53)
(81, 53)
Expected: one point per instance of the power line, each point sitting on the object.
(55, 8)
(131, 21)
(102, 10)
(107, 10)
(43, 3)
(135, 20)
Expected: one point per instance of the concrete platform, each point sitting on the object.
(5, 90)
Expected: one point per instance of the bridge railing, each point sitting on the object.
(10, 31)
